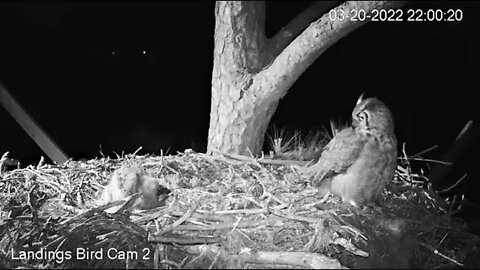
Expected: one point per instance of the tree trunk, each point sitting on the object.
(251, 74)
(237, 121)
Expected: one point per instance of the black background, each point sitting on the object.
(56, 59)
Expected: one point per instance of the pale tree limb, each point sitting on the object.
(309, 45)
(281, 39)
(307, 260)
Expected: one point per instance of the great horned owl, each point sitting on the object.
(360, 160)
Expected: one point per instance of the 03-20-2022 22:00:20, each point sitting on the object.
(397, 15)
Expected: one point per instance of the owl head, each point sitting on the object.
(372, 114)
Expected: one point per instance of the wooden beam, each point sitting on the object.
(35, 132)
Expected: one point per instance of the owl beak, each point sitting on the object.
(360, 98)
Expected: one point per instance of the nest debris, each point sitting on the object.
(224, 211)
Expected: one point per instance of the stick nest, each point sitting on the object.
(223, 211)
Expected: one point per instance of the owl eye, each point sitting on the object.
(362, 116)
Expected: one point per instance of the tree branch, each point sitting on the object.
(277, 43)
(309, 45)
(439, 174)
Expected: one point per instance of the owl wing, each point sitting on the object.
(338, 155)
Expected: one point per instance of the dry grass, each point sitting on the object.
(225, 211)
(293, 146)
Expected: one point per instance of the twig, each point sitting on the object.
(98, 209)
(41, 162)
(446, 163)
(452, 186)
(263, 160)
(436, 252)
(409, 178)
(172, 263)
(182, 219)
(222, 226)
(350, 247)
(136, 151)
(210, 217)
(154, 216)
(171, 169)
(295, 217)
(241, 211)
(425, 151)
(184, 240)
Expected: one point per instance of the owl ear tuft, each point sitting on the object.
(360, 98)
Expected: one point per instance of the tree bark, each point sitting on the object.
(251, 74)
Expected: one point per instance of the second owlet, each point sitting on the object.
(360, 160)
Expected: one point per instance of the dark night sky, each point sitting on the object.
(56, 59)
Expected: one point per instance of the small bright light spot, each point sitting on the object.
(144, 52)
(113, 52)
